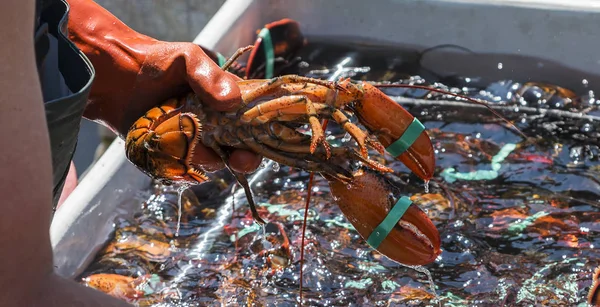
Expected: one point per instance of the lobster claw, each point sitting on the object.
(366, 203)
(281, 40)
(403, 136)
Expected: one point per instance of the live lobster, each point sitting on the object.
(161, 143)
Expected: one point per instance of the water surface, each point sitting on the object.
(524, 236)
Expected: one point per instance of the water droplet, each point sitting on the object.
(586, 127)
(426, 185)
(276, 167)
(575, 152)
(180, 191)
(584, 82)
(347, 137)
(499, 65)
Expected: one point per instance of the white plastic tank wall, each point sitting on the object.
(550, 41)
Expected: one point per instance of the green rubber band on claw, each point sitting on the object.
(265, 35)
(383, 230)
(407, 139)
(222, 60)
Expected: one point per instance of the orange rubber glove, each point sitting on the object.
(135, 72)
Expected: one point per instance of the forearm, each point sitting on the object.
(25, 158)
(135, 72)
(26, 270)
(110, 45)
(99, 34)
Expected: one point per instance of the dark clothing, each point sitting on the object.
(66, 76)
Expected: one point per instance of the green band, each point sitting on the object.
(222, 60)
(407, 139)
(450, 174)
(383, 230)
(265, 34)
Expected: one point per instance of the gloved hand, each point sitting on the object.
(135, 72)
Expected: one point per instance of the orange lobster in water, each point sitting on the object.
(126, 288)
(161, 143)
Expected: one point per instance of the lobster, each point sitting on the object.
(161, 143)
(284, 39)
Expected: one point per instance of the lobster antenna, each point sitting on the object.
(309, 193)
(469, 99)
(235, 56)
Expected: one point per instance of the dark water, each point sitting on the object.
(524, 236)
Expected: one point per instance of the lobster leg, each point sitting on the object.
(280, 144)
(291, 113)
(282, 132)
(348, 155)
(333, 170)
(275, 82)
(274, 109)
(243, 182)
(303, 151)
(279, 104)
(360, 136)
(277, 110)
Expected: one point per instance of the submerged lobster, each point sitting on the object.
(161, 144)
